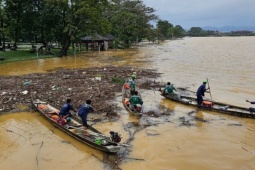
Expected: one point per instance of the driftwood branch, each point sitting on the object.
(96, 157)
(38, 153)
(2, 100)
(16, 133)
(136, 159)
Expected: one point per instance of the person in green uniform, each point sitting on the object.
(170, 90)
(132, 84)
(135, 100)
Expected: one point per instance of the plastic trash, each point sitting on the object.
(24, 92)
(98, 78)
(3, 93)
(98, 141)
(26, 83)
(224, 107)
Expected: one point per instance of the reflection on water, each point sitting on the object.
(191, 139)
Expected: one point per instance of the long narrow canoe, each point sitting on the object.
(213, 106)
(90, 136)
(125, 96)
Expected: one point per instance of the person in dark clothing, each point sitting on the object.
(201, 92)
(83, 112)
(251, 109)
(65, 110)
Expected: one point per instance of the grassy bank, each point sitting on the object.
(10, 56)
(24, 53)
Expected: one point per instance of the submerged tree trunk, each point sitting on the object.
(65, 47)
(2, 35)
(66, 44)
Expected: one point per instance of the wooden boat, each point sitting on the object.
(90, 136)
(212, 106)
(125, 96)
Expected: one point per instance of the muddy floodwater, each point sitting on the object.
(186, 139)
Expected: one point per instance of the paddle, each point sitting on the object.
(209, 88)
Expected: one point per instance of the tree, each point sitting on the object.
(152, 34)
(163, 28)
(176, 32)
(80, 16)
(2, 24)
(130, 20)
(196, 31)
(14, 10)
(171, 32)
(179, 31)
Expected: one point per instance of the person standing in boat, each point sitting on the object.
(251, 109)
(65, 110)
(132, 84)
(135, 101)
(201, 93)
(83, 112)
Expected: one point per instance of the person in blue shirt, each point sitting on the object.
(251, 109)
(65, 110)
(83, 112)
(201, 92)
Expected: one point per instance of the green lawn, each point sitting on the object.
(23, 53)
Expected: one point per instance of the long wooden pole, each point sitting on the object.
(209, 88)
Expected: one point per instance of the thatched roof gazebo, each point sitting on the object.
(97, 41)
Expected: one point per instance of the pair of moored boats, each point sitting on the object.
(192, 101)
(206, 105)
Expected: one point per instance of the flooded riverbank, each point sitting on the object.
(213, 141)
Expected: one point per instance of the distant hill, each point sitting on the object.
(229, 28)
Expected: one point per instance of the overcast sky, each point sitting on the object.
(201, 13)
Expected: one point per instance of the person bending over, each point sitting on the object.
(84, 111)
(65, 110)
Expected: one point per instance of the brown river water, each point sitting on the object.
(29, 142)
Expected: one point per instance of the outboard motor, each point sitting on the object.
(115, 137)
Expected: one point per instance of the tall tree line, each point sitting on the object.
(66, 21)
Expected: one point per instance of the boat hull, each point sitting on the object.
(77, 132)
(126, 95)
(216, 107)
